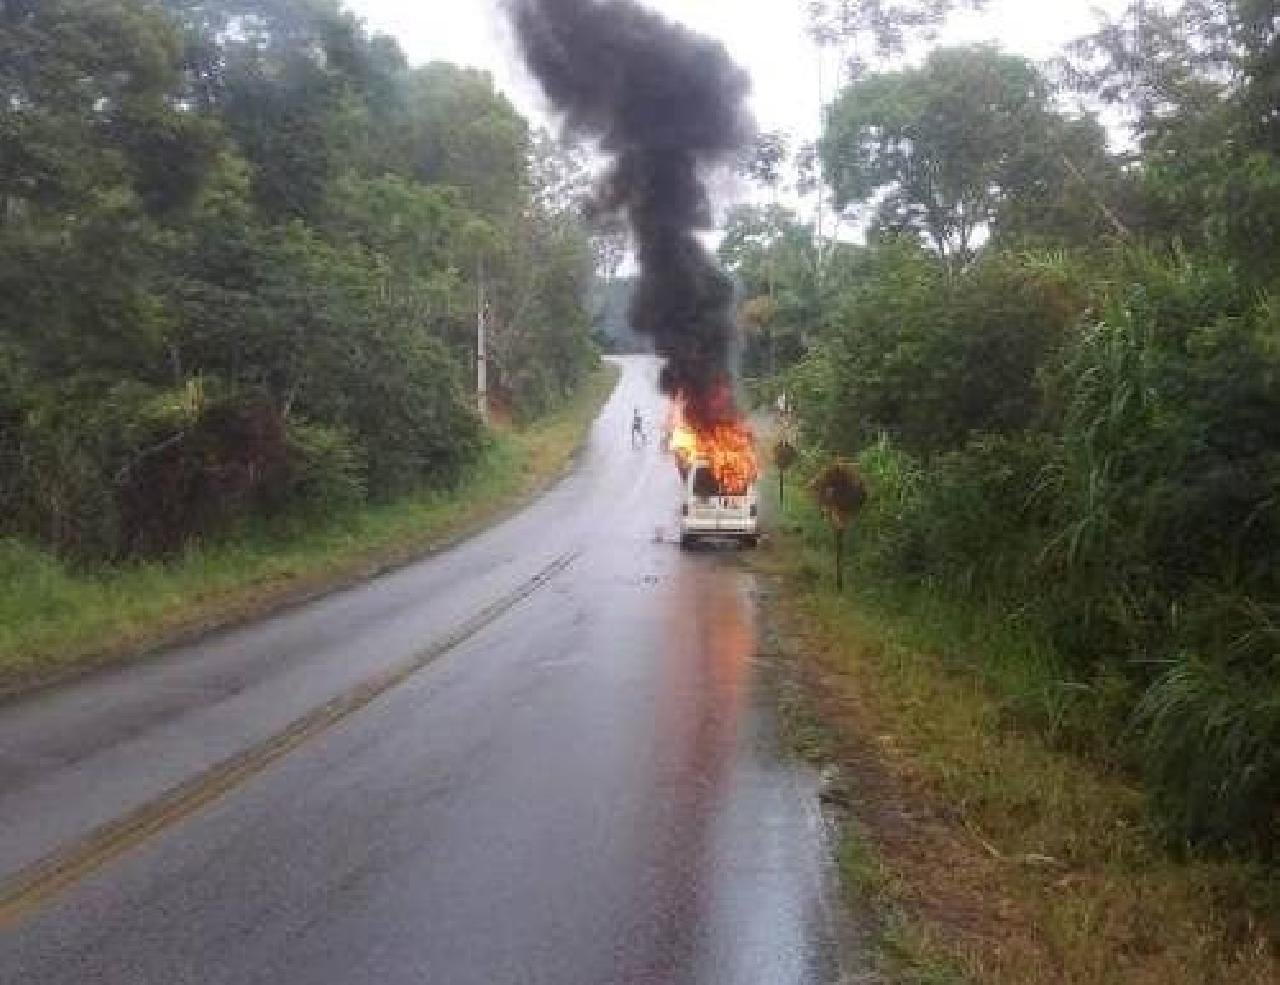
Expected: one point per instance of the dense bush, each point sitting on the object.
(240, 244)
(930, 358)
(1132, 514)
(1084, 438)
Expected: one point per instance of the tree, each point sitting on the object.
(94, 160)
(300, 85)
(932, 358)
(948, 149)
(1197, 83)
(459, 131)
(75, 77)
(764, 160)
(863, 29)
(239, 243)
(564, 186)
(773, 257)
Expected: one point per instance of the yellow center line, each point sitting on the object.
(30, 887)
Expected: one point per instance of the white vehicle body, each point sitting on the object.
(706, 511)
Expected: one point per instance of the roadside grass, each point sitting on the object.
(987, 851)
(56, 620)
(905, 952)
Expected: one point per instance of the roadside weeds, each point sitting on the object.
(56, 623)
(977, 852)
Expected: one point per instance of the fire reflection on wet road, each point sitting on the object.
(588, 790)
(734, 860)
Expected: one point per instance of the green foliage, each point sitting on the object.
(325, 469)
(1211, 736)
(958, 147)
(55, 613)
(412, 413)
(1170, 438)
(886, 26)
(1198, 81)
(772, 255)
(541, 346)
(933, 358)
(1130, 515)
(1062, 386)
(83, 107)
(460, 132)
(239, 250)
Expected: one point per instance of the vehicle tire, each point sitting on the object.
(751, 542)
(687, 541)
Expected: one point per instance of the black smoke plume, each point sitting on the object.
(666, 104)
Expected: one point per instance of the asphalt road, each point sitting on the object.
(547, 758)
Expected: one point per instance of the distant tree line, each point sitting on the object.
(1058, 366)
(240, 244)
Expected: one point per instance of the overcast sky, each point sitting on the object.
(766, 37)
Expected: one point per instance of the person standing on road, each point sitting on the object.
(637, 429)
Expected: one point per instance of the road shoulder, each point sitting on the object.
(89, 623)
(974, 850)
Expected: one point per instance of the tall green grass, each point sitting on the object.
(942, 554)
(952, 698)
(1113, 551)
(954, 614)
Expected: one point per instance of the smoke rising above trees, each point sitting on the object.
(666, 104)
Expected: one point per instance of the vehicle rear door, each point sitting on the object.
(704, 498)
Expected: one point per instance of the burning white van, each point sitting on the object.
(709, 510)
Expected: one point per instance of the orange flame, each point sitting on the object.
(729, 449)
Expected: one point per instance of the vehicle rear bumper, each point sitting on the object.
(720, 528)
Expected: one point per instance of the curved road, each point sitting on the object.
(541, 757)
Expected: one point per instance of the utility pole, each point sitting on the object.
(822, 118)
(482, 357)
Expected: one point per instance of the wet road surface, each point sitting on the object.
(568, 775)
